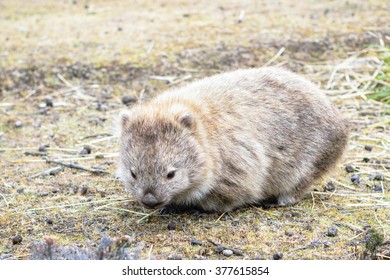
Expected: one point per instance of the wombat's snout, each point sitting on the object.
(149, 200)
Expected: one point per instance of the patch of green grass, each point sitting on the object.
(382, 91)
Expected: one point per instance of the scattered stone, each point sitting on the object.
(368, 148)
(227, 252)
(377, 188)
(43, 148)
(219, 249)
(128, 99)
(18, 124)
(332, 231)
(289, 233)
(277, 256)
(120, 29)
(42, 105)
(366, 160)
(49, 221)
(20, 190)
(376, 176)
(171, 226)
(84, 190)
(17, 239)
(43, 193)
(355, 179)
(175, 257)
(330, 187)
(196, 242)
(349, 168)
(86, 150)
(101, 107)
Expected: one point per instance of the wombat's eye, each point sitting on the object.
(170, 174)
(133, 175)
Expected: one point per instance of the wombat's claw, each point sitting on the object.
(165, 211)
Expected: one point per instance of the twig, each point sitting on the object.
(235, 251)
(35, 154)
(344, 185)
(219, 218)
(147, 216)
(96, 135)
(117, 202)
(150, 251)
(67, 205)
(51, 171)
(6, 202)
(124, 210)
(97, 140)
(312, 244)
(272, 60)
(79, 167)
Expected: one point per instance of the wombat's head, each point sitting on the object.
(161, 158)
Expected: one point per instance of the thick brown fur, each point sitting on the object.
(231, 139)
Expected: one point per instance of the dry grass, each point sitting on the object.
(86, 57)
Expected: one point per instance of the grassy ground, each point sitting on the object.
(66, 65)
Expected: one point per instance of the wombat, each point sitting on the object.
(238, 138)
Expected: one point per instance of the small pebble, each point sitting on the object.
(227, 252)
(127, 99)
(43, 193)
(368, 148)
(171, 226)
(17, 239)
(86, 150)
(349, 168)
(20, 190)
(196, 242)
(355, 179)
(49, 221)
(18, 124)
(366, 160)
(84, 190)
(219, 249)
(289, 233)
(277, 256)
(377, 188)
(175, 257)
(377, 176)
(330, 187)
(43, 148)
(42, 105)
(49, 101)
(332, 231)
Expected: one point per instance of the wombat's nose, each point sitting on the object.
(150, 200)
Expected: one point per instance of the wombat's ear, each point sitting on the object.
(186, 119)
(183, 116)
(125, 119)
